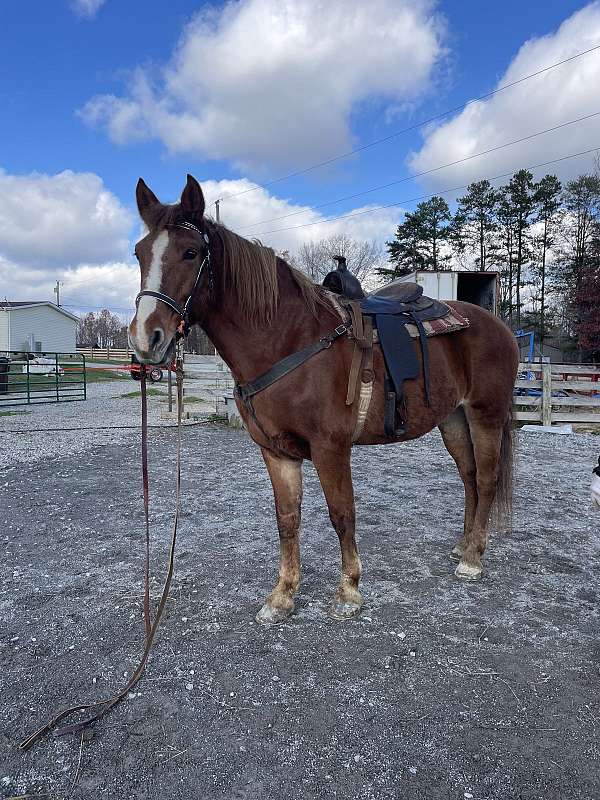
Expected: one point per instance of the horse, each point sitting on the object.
(257, 310)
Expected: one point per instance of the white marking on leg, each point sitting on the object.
(467, 571)
(153, 282)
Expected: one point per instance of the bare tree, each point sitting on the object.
(316, 258)
(101, 330)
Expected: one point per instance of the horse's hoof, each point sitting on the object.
(272, 615)
(456, 553)
(343, 610)
(468, 572)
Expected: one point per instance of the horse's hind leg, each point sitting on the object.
(487, 445)
(457, 438)
(333, 468)
(286, 478)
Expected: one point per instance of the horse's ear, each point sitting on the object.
(146, 201)
(192, 200)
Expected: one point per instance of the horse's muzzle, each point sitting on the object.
(160, 349)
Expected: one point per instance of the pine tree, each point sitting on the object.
(476, 226)
(521, 193)
(547, 199)
(420, 240)
(506, 223)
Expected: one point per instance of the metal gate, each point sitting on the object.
(28, 378)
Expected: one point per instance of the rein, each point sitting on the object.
(150, 627)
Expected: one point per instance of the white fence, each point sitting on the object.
(563, 393)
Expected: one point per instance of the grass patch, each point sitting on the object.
(12, 413)
(116, 361)
(149, 392)
(186, 398)
(100, 375)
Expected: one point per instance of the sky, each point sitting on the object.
(247, 94)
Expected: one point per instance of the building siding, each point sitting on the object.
(55, 331)
(4, 317)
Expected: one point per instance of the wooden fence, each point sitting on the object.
(107, 353)
(557, 393)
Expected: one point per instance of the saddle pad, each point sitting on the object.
(453, 321)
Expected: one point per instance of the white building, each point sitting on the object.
(36, 328)
(480, 288)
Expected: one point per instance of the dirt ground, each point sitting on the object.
(439, 689)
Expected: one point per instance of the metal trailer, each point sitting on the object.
(480, 288)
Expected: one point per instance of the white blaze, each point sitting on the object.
(153, 282)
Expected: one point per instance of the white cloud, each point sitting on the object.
(242, 212)
(273, 82)
(65, 227)
(87, 8)
(564, 93)
(60, 220)
(70, 228)
(85, 287)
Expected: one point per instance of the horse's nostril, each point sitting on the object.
(157, 338)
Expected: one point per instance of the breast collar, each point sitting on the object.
(183, 310)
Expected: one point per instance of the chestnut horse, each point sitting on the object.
(257, 309)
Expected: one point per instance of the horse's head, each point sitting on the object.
(173, 257)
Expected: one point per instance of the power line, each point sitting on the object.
(413, 127)
(87, 280)
(424, 172)
(75, 304)
(425, 196)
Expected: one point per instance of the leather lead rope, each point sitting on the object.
(106, 705)
(146, 493)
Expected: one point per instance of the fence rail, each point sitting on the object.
(107, 353)
(32, 378)
(557, 393)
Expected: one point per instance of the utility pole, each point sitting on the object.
(57, 292)
(217, 203)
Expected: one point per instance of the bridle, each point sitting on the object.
(183, 310)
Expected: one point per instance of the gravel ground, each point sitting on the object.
(69, 425)
(439, 689)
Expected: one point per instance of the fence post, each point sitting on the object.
(546, 394)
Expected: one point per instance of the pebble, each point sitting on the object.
(104, 408)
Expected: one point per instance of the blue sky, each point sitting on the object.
(132, 88)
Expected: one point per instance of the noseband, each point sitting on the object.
(183, 311)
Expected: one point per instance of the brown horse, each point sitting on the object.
(257, 310)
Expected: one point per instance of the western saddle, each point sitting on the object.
(389, 311)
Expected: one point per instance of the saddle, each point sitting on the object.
(394, 315)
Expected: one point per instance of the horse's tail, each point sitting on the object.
(503, 504)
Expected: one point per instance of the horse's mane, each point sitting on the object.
(250, 272)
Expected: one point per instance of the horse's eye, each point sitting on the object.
(190, 254)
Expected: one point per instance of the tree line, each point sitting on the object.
(102, 329)
(543, 238)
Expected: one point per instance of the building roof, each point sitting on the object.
(10, 305)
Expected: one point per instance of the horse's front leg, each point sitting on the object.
(333, 468)
(286, 478)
